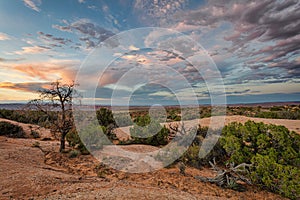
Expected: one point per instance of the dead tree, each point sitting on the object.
(228, 178)
(175, 130)
(179, 132)
(57, 99)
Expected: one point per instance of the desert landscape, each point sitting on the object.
(149, 99)
(28, 172)
(33, 168)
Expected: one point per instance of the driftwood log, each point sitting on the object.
(228, 178)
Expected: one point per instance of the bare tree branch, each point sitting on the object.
(227, 178)
(57, 98)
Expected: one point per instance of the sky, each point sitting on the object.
(152, 51)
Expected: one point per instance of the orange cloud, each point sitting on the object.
(48, 71)
(4, 36)
(109, 77)
(26, 87)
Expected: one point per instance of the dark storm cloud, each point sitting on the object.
(265, 34)
(264, 21)
(251, 19)
(280, 52)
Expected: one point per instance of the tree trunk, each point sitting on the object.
(63, 134)
(62, 142)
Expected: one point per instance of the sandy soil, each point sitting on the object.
(28, 172)
(292, 125)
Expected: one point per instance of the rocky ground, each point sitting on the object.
(29, 172)
(33, 169)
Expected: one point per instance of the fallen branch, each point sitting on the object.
(228, 178)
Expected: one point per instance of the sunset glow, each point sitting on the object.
(255, 45)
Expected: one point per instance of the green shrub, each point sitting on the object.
(273, 151)
(93, 136)
(74, 141)
(105, 117)
(73, 154)
(279, 178)
(123, 120)
(205, 112)
(276, 108)
(289, 114)
(11, 130)
(29, 116)
(173, 115)
(242, 142)
(142, 120)
(275, 112)
(191, 156)
(270, 115)
(146, 132)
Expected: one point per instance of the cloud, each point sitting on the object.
(266, 19)
(11, 59)
(88, 42)
(260, 35)
(53, 41)
(89, 32)
(280, 49)
(162, 94)
(4, 36)
(49, 70)
(158, 12)
(33, 4)
(150, 67)
(257, 20)
(133, 48)
(238, 92)
(174, 42)
(183, 27)
(32, 50)
(93, 7)
(26, 86)
(62, 28)
(81, 1)
(251, 98)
